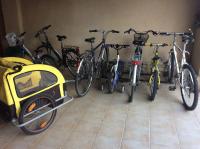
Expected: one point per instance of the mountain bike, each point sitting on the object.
(70, 55)
(91, 67)
(20, 50)
(182, 72)
(116, 69)
(140, 38)
(154, 79)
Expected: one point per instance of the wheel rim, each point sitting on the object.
(187, 87)
(33, 110)
(169, 68)
(112, 80)
(84, 77)
(151, 86)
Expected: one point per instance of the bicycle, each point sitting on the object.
(91, 67)
(140, 38)
(182, 73)
(116, 68)
(20, 50)
(154, 79)
(70, 55)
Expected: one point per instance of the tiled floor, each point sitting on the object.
(106, 121)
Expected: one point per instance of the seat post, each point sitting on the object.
(61, 44)
(91, 45)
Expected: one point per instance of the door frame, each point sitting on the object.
(2, 30)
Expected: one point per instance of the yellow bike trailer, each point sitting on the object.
(30, 94)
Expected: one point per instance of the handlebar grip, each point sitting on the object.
(22, 34)
(127, 32)
(46, 27)
(164, 44)
(163, 33)
(114, 31)
(154, 33)
(125, 46)
(95, 30)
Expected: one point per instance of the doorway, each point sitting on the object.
(2, 31)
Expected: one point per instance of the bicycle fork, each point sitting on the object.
(115, 67)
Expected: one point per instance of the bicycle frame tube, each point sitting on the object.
(57, 54)
(183, 58)
(102, 52)
(28, 52)
(116, 65)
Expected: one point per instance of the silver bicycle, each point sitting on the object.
(182, 73)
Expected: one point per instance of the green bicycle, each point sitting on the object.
(154, 80)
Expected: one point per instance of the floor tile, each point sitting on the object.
(133, 144)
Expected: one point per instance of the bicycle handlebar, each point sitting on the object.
(22, 34)
(157, 44)
(114, 31)
(95, 30)
(136, 32)
(42, 30)
(190, 33)
(105, 33)
(46, 27)
(117, 46)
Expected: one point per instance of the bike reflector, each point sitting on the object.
(136, 62)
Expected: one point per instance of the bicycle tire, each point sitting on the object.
(171, 66)
(133, 87)
(28, 107)
(111, 77)
(153, 86)
(48, 51)
(71, 63)
(85, 67)
(48, 60)
(196, 92)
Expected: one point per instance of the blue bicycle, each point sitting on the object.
(116, 69)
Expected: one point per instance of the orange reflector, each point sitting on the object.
(31, 107)
(43, 124)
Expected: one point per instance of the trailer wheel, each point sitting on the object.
(35, 107)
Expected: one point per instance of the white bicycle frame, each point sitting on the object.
(183, 56)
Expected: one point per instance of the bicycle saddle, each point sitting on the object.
(90, 40)
(60, 38)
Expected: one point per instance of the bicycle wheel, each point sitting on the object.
(189, 88)
(48, 60)
(132, 83)
(71, 60)
(153, 85)
(170, 69)
(84, 77)
(111, 81)
(33, 108)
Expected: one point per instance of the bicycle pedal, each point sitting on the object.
(172, 88)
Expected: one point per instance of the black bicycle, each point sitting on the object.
(70, 55)
(91, 67)
(20, 50)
